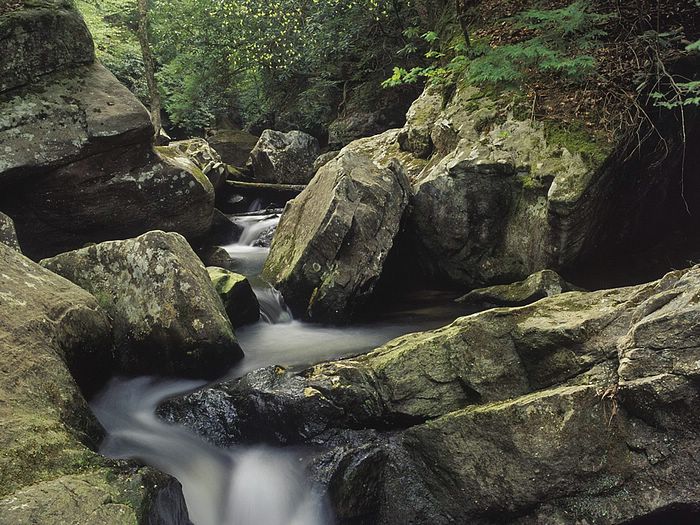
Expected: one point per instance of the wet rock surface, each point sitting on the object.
(577, 407)
(168, 318)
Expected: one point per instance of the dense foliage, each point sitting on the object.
(556, 42)
(289, 58)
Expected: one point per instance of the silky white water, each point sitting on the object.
(243, 485)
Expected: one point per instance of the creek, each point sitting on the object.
(246, 485)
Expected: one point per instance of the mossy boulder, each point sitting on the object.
(241, 304)
(168, 318)
(8, 235)
(233, 145)
(333, 239)
(539, 285)
(77, 164)
(40, 37)
(53, 333)
(284, 158)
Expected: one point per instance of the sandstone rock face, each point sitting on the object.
(49, 330)
(8, 235)
(545, 283)
(241, 304)
(168, 319)
(284, 158)
(579, 407)
(332, 240)
(76, 164)
(234, 146)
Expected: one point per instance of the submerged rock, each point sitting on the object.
(332, 240)
(241, 304)
(284, 158)
(168, 318)
(51, 332)
(545, 283)
(576, 407)
(7, 232)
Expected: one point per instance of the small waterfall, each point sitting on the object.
(273, 310)
(251, 258)
(240, 486)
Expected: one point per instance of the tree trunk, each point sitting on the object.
(461, 7)
(149, 65)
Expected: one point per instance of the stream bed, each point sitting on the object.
(250, 485)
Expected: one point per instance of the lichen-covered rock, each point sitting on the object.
(84, 172)
(284, 158)
(233, 145)
(324, 159)
(103, 497)
(579, 407)
(487, 211)
(39, 38)
(544, 283)
(241, 304)
(8, 235)
(39, 130)
(502, 195)
(195, 154)
(168, 319)
(332, 240)
(51, 332)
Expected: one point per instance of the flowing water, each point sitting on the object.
(245, 485)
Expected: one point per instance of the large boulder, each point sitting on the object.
(168, 319)
(8, 235)
(77, 164)
(503, 196)
(50, 332)
(284, 158)
(239, 299)
(333, 239)
(233, 145)
(29, 38)
(579, 407)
